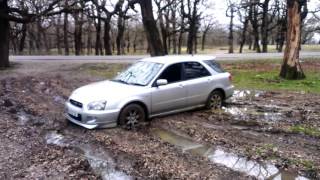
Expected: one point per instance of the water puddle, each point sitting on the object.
(233, 161)
(246, 113)
(241, 94)
(22, 118)
(99, 160)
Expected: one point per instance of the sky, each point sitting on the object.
(220, 8)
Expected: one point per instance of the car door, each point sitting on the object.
(198, 83)
(171, 96)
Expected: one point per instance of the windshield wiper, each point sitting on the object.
(120, 81)
(136, 84)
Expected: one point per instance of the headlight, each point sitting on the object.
(97, 105)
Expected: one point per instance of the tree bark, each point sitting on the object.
(150, 26)
(4, 36)
(58, 35)
(265, 24)
(106, 37)
(78, 32)
(243, 34)
(231, 29)
(255, 25)
(120, 34)
(291, 68)
(98, 47)
(65, 35)
(23, 38)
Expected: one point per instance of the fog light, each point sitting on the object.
(91, 119)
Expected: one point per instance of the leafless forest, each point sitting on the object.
(107, 27)
(101, 27)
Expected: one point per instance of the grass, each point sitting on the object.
(311, 131)
(107, 71)
(264, 75)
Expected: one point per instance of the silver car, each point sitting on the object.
(149, 88)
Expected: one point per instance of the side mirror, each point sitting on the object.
(161, 82)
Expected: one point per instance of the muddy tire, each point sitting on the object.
(131, 116)
(215, 100)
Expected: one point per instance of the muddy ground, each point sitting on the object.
(257, 135)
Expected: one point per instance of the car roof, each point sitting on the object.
(171, 59)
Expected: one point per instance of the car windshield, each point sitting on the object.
(140, 73)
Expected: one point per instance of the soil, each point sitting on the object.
(256, 125)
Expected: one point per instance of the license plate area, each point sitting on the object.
(74, 115)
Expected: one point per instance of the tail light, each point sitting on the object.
(230, 78)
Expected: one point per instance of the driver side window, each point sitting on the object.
(172, 74)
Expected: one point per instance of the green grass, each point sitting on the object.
(271, 81)
(264, 75)
(107, 71)
(311, 131)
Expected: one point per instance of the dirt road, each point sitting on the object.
(257, 135)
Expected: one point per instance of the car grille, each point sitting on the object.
(78, 118)
(76, 103)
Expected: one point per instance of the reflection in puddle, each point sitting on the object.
(237, 94)
(218, 156)
(22, 118)
(247, 114)
(98, 159)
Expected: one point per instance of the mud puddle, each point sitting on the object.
(233, 161)
(99, 160)
(246, 113)
(241, 94)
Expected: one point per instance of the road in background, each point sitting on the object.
(129, 58)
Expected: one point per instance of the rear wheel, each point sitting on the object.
(131, 115)
(215, 100)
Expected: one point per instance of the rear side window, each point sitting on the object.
(215, 66)
(195, 70)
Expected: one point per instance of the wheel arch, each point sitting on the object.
(140, 103)
(221, 91)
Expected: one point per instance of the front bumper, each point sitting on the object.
(91, 119)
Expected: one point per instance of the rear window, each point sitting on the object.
(215, 66)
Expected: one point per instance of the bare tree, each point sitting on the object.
(230, 13)
(291, 67)
(150, 26)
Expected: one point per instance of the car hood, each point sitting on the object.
(104, 90)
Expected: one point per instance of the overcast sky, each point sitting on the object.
(220, 8)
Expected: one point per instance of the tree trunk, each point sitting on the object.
(243, 35)
(163, 33)
(291, 68)
(120, 35)
(65, 34)
(255, 25)
(203, 42)
(231, 31)
(98, 37)
(23, 38)
(4, 36)
(106, 37)
(264, 27)
(191, 37)
(150, 26)
(174, 36)
(58, 35)
(78, 18)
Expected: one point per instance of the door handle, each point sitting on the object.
(181, 86)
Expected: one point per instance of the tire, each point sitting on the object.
(131, 115)
(215, 100)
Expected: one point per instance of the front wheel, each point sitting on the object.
(215, 100)
(131, 115)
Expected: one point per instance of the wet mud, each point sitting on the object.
(256, 135)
